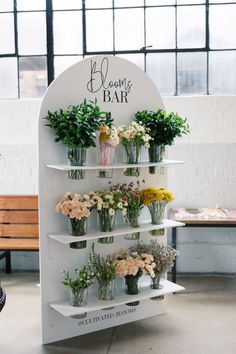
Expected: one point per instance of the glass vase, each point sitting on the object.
(131, 287)
(78, 228)
(156, 153)
(106, 155)
(157, 211)
(132, 219)
(78, 297)
(156, 282)
(106, 223)
(76, 157)
(132, 156)
(106, 290)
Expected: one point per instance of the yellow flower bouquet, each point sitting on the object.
(156, 200)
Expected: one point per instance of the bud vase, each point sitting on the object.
(78, 228)
(131, 287)
(156, 153)
(76, 157)
(106, 290)
(106, 155)
(132, 156)
(106, 223)
(132, 219)
(156, 282)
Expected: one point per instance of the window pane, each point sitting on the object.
(160, 2)
(160, 27)
(191, 26)
(8, 78)
(26, 5)
(7, 44)
(68, 4)
(137, 59)
(67, 38)
(223, 80)
(98, 4)
(33, 76)
(222, 26)
(191, 73)
(129, 29)
(6, 5)
(63, 62)
(32, 33)
(99, 29)
(187, 2)
(161, 69)
(130, 3)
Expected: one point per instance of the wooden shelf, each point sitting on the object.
(66, 238)
(64, 167)
(94, 304)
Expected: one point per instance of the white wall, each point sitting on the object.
(207, 179)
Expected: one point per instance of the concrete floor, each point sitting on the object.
(201, 320)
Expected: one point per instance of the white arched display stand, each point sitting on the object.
(123, 89)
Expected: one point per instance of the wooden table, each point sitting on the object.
(198, 219)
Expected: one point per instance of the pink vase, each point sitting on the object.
(105, 158)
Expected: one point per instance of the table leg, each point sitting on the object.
(174, 244)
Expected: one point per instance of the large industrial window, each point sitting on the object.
(188, 47)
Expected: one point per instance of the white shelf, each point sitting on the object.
(122, 230)
(94, 304)
(64, 167)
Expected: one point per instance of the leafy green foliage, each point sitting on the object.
(163, 127)
(103, 268)
(77, 125)
(84, 278)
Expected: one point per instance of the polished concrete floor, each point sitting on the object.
(200, 320)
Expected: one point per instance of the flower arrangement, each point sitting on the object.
(108, 135)
(131, 194)
(133, 263)
(163, 258)
(84, 278)
(156, 199)
(77, 125)
(163, 128)
(132, 266)
(108, 140)
(104, 271)
(134, 132)
(150, 195)
(106, 204)
(77, 286)
(133, 137)
(76, 128)
(77, 208)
